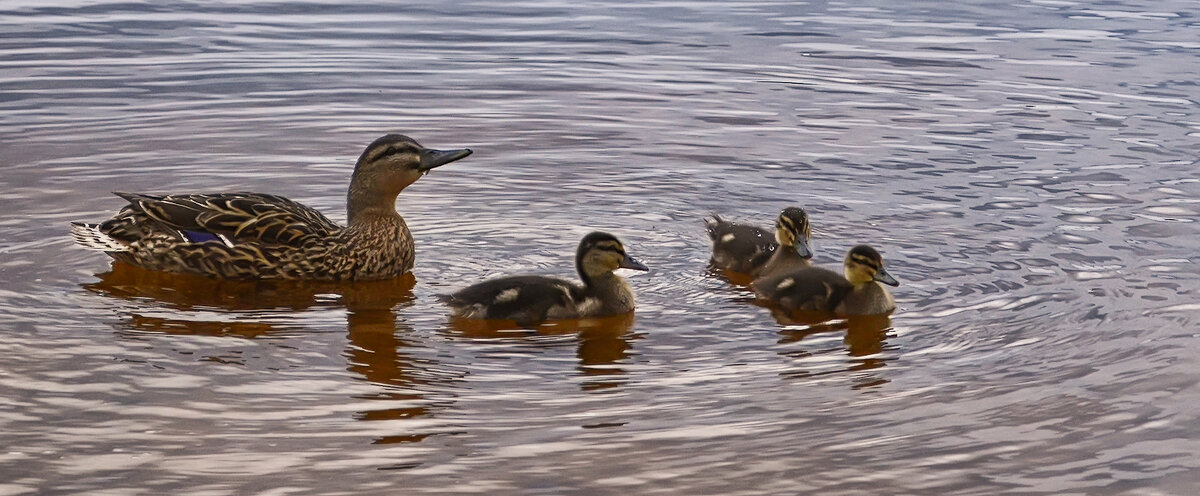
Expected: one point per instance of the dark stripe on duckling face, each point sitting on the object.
(625, 261)
(610, 246)
(873, 264)
(865, 255)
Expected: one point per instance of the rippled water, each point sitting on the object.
(1028, 170)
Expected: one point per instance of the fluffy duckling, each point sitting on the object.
(258, 236)
(750, 250)
(814, 288)
(530, 299)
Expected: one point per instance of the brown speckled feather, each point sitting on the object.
(258, 236)
(240, 216)
(271, 237)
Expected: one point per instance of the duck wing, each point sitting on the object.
(229, 217)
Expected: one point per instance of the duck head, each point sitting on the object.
(600, 254)
(864, 264)
(792, 231)
(387, 166)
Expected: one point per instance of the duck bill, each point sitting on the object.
(630, 263)
(882, 275)
(431, 158)
(803, 249)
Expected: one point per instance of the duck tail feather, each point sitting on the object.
(711, 223)
(89, 236)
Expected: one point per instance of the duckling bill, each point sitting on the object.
(530, 299)
(858, 292)
(262, 236)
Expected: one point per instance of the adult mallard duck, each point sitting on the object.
(530, 299)
(812, 288)
(750, 249)
(259, 236)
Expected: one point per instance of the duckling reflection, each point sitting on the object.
(865, 338)
(375, 349)
(600, 342)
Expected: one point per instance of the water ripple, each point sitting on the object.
(1027, 170)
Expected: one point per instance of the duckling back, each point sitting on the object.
(784, 260)
(520, 298)
(807, 288)
(738, 247)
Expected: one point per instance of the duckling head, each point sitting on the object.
(390, 164)
(864, 264)
(601, 253)
(792, 231)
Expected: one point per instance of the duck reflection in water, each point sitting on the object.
(865, 338)
(375, 349)
(600, 342)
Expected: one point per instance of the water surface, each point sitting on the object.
(1027, 168)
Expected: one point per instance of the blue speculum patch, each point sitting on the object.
(199, 236)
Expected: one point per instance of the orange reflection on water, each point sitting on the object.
(741, 279)
(864, 339)
(188, 291)
(374, 349)
(602, 342)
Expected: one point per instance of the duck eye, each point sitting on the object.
(393, 150)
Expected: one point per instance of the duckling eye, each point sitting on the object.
(864, 263)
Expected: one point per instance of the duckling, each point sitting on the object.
(749, 250)
(815, 288)
(530, 299)
(260, 236)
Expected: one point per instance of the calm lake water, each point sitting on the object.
(1028, 169)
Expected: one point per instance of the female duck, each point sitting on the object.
(814, 288)
(529, 299)
(258, 236)
(749, 250)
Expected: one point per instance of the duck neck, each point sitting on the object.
(867, 298)
(786, 253)
(784, 258)
(364, 202)
(609, 292)
(596, 283)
